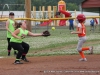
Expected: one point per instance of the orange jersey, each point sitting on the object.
(82, 26)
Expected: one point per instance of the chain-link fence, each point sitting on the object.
(60, 42)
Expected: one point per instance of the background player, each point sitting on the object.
(71, 24)
(18, 44)
(81, 31)
(92, 22)
(10, 28)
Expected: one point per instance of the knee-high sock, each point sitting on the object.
(82, 54)
(85, 48)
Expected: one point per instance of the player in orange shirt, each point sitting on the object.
(81, 31)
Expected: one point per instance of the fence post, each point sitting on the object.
(43, 10)
(28, 13)
(75, 18)
(55, 10)
(34, 12)
(49, 12)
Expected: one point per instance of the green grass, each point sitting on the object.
(60, 42)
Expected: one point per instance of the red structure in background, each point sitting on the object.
(46, 23)
(96, 21)
(61, 9)
(62, 6)
(91, 4)
(63, 22)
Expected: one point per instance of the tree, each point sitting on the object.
(72, 6)
(19, 7)
(37, 3)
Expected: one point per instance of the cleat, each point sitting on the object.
(25, 59)
(18, 62)
(91, 50)
(83, 59)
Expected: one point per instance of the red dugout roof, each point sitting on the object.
(91, 4)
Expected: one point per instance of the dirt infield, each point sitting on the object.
(52, 65)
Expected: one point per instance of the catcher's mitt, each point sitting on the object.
(46, 33)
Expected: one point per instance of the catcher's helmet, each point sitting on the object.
(81, 18)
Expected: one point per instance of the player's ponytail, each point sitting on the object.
(17, 25)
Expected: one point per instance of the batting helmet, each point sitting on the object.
(81, 18)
